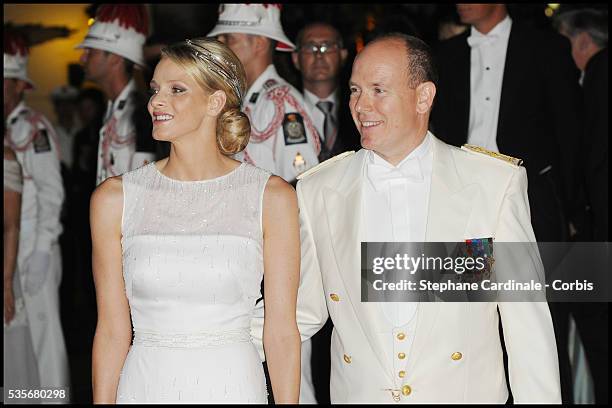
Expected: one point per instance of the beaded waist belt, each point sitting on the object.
(191, 340)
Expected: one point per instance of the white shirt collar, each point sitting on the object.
(418, 153)
(501, 30)
(314, 99)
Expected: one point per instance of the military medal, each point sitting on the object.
(478, 248)
(293, 129)
(298, 163)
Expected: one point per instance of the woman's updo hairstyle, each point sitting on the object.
(215, 67)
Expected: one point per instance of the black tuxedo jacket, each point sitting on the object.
(595, 87)
(348, 137)
(539, 116)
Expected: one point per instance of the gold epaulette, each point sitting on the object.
(478, 149)
(325, 164)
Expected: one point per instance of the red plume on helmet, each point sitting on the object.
(121, 29)
(277, 5)
(16, 56)
(132, 16)
(15, 43)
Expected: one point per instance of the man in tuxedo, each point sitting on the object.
(320, 56)
(513, 89)
(408, 186)
(587, 30)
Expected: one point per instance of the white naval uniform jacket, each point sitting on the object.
(472, 196)
(280, 142)
(34, 141)
(117, 144)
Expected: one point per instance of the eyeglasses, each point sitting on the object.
(323, 48)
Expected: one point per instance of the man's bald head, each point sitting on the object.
(419, 60)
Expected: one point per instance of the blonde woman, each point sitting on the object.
(181, 246)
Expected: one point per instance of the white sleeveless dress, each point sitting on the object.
(193, 266)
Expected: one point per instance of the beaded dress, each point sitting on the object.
(192, 266)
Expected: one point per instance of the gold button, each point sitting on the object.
(456, 356)
(401, 356)
(406, 390)
(401, 336)
(347, 359)
(401, 374)
(334, 297)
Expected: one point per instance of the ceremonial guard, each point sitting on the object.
(113, 46)
(34, 141)
(283, 139)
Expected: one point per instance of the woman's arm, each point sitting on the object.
(281, 338)
(12, 214)
(114, 330)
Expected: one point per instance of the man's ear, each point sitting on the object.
(261, 44)
(21, 86)
(343, 55)
(583, 41)
(425, 94)
(114, 59)
(296, 60)
(216, 103)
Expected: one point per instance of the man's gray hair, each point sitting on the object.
(592, 21)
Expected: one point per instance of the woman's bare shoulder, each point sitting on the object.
(278, 189)
(108, 196)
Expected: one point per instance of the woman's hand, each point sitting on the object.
(9, 302)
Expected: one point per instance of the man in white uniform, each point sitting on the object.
(284, 139)
(406, 185)
(112, 47)
(34, 141)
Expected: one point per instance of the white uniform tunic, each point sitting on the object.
(33, 139)
(117, 147)
(283, 139)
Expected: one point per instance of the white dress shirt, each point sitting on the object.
(395, 200)
(317, 115)
(488, 57)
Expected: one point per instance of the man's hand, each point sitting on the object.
(36, 272)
